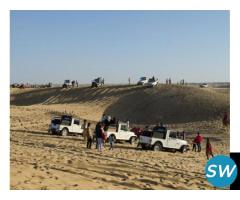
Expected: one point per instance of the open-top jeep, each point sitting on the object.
(121, 132)
(160, 140)
(64, 125)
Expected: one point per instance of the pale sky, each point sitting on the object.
(50, 46)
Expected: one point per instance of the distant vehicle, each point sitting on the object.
(67, 83)
(160, 140)
(15, 85)
(65, 125)
(152, 82)
(143, 80)
(98, 82)
(203, 85)
(121, 132)
(22, 86)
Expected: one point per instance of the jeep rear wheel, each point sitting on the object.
(133, 140)
(143, 146)
(65, 132)
(158, 147)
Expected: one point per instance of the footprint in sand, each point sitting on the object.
(69, 162)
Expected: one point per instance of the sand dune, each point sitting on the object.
(171, 104)
(43, 161)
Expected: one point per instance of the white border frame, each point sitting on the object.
(232, 5)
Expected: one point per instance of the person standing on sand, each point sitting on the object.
(209, 149)
(99, 133)
(111, 142)
(198, 139)
(225, 119)
(84, 127)
(103, 135)
(170, 81)
(194, 148)
(96, 133)
(89, 136)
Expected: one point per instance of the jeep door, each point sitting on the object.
(76, 126)
(172, 141)
(123, 133)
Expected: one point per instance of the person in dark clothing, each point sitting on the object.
(160, 127)
(194, 148)
(113, 120)
(97, 128)
(156, 127)
(111, 142)
(225, 119)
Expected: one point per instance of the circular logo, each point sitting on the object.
(221, 171)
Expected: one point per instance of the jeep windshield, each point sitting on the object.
(143, 78)
(66, 120)
(67, 81)
(147, 133)
(56, 121)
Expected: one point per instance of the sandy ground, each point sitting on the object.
(43, 161)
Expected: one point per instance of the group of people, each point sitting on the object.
(98, 133)
(198, 148)
(168, 81)
(182, 82)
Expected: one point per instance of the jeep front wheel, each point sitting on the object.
(64, 132)
(183, 149)
(158, 147)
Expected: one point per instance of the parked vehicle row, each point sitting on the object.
(156, 140)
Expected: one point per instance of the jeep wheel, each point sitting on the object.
(143, 146)
(158, 147)
(183, 149)
(64, 132)
(133, 140)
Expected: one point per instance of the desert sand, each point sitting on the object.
(43, 161)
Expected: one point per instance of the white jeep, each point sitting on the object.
(67, 84)
(152, 82)
(143, 80)
(121, 132)
(66, 124)
(160, 140)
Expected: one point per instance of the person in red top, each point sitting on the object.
(209, 151)
(198, 139)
